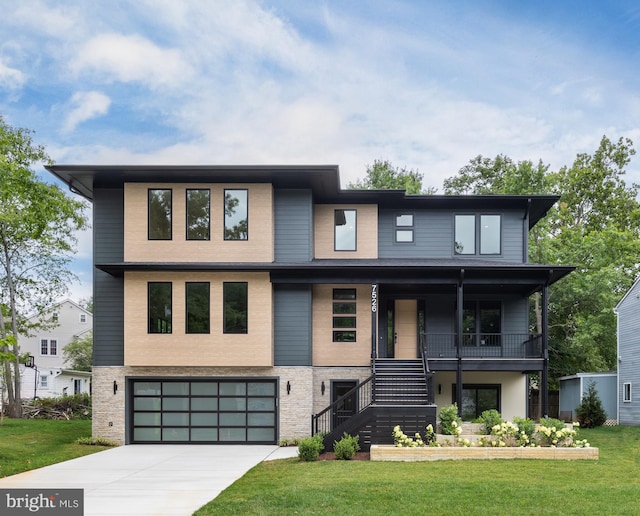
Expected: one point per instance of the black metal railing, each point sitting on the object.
(485, 345)
(428, 376)
(345, 407)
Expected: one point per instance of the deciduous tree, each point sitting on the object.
(382, 175)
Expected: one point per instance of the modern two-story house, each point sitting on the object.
(255, 303)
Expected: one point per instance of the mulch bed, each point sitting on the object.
(332, 456)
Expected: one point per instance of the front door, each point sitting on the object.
(348, 406)
(402, 323)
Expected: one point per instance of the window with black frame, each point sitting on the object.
(197, 301)
(477, 235)
(345, 237)
(344, 314)
(159, 307)
(159, 216)
(236, 215)
(235, 307)
(198, 214)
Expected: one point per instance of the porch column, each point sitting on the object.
(544, 377)
(374, 321)
(459, 304)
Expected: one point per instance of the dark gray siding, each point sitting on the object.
(293, 225)
(515, 315)
(433, 235)
(108, 291)
(292, 325)
(629, 356)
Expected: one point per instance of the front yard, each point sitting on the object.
(608, 485)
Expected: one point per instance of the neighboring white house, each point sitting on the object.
(51, 377)
(628, 312)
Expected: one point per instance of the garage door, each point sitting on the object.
(203, 411)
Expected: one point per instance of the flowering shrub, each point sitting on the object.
(489, 419)
(401, 440)
(450, 422)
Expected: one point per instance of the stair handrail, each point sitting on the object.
(316, 417)
(428, 375)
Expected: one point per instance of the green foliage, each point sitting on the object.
(450, 422)
(526, 425)
(77, 406)
(489, 419)
(382, 175)
(310, 447)
(550, 422)
(97, 441)
(590, 412)
(79, 353)
(346, 447)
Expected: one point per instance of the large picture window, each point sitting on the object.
(236, 215)
(471, 229)
(198, 315)
(344, 315)
(235, 301)
(159, 300)
(159, 214)
(198, 214)
(345, 230)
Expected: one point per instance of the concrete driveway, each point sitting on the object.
(150, 479)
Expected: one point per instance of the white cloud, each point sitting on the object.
(11, 79)
(85, 105)
(118, 57)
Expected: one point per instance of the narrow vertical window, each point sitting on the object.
(83, 318)
(159, 307)
(44, 381)
(197, 307)
(159, 214)
(626, 392)
(235, 306)
(344, 315)
(198, 211)
(236, 215)
(44, 347)
(490, 234)
(404, 228)
(53, 347)
(465, 234)
(345, 230)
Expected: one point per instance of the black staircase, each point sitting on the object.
(400, 392)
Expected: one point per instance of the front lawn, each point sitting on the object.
(33, 443)
(609, 485)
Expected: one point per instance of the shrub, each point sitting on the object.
(310, 447)
(450, 422)
(489, 419)
(526, 425)
(346, 447)
(590, 412)
(96, 441)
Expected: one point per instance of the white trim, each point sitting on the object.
(624, 392)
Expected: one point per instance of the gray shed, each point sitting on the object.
(573, 387)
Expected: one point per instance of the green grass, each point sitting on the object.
(610, 485)
(27, 444)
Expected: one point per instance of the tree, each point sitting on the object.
(79, 352)
(590, 412)
(37, 226)
(382, 175)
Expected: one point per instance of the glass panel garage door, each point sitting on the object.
(203, 411)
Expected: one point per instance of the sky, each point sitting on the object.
(427, 85)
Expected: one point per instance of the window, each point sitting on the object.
(159, 214)
(197, 295)
(478, 398)
(198, 209)
(345, 230)
(404, 228)
(48, 347)
(481, 323)
(83, 318)
(472, 228)
(44, 381)
(235, 303)
(236, 213)
(344, 315)
(626, 392)
(159, 299)
(55, 317)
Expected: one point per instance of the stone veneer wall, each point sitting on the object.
(294, 408)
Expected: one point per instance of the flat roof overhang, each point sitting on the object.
(523, 365)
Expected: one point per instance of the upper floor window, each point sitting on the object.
(159, 214)
(344, 315)
(482, 323)
(470, 229)
(626, 392)
(236, 215)
(345, 230)
(83, 318)
(48, 347)
(404, 227)
(55, 316)
(235, 306)
(198, 210)
(197, 307)
(159, 306)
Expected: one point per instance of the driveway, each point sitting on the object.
(150, 479)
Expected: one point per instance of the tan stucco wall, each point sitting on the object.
(513, 391)
(366, 231)
(329, 353)
(214, 349)
(258, 248)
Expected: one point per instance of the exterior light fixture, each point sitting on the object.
(322, 388)
(115, 387)
(288, 387)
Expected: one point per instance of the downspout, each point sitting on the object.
(460, 293)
